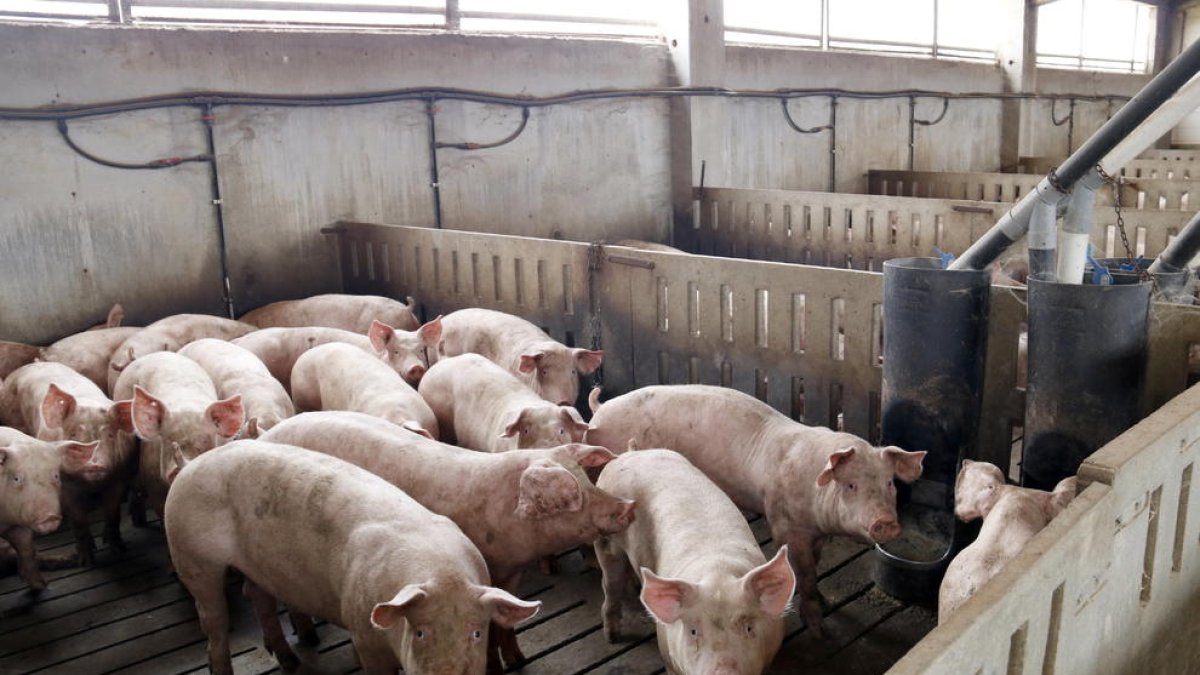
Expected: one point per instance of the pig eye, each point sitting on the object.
(16, 479)
(477, 635)
(694, 632)
(419, 634)
(852, 486)
(749, 629)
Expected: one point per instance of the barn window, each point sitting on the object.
(937, 28)
(1095, 35)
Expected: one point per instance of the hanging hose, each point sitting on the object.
(164, 163)
(487, 146)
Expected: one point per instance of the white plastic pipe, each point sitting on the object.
(1077, 229)
(1162, 121)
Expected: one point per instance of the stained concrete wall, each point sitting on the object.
(1043, 138)
(76, 236)
(148, 238)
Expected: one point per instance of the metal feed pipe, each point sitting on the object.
(1014, 224)
(1176, 256)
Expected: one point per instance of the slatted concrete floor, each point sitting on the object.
(129, 615)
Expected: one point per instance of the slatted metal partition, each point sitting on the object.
(805, 339)
(861, 231)
(1184, 167)
(1137, 193)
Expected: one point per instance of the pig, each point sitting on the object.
(31, 472)
(89, 353)
(234, 371)
(550, 368)
(406, 352)
(810, 482)
(515, 506)
(332, 540)
(1011, 516)
(348, 312)
(717, 603)
(279, 348)
(177, 416)
(54, 403)
(339, 376)
(170, 335)
(481, 406)
(13, 355)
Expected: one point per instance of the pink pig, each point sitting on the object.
(811, 483)
(481, 406)
(550, 368)
(348, 312)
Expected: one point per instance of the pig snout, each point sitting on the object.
(414, 372)
(47, 524)
(884, 529)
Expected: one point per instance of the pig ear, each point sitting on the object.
(77, 455)
(1063, 493)
(908, 464)
(573, 421)
(835, 460)
(418, 429)
(122, 412)
(529, 362)
(773, 583)
(57, 406)
(633, 445)
(587, 360)
(387, 614)
(175, 464)
(547, 489)
(148, 414)
(514, 427)
(3, 455)
(507, 609)
(252, 430)
(591, 456)
(410, 302)
(665, 598)
(115, 316)
(380, 334)
(228, 415)
(431, 332)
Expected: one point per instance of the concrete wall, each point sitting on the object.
(1042, 138)
(76, 236)
(148, 238)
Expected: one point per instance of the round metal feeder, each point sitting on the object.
(1087, 352)
(935, 339)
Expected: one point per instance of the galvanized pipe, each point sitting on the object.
(1176, 256)
(1042, 231)
(1014, 224)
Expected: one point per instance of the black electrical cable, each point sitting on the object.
(202, 99)
(939, 118)
(787, 115)
(165, 163)
(1055, 121)
(486, 146)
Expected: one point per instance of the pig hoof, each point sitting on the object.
(287, 658)
(308, 638)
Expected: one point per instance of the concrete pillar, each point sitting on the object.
(1168, 42)
(695, 34)
(1017, 52)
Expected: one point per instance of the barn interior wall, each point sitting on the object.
(76, 236)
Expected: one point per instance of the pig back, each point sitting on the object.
(727, 435)
(90, 352)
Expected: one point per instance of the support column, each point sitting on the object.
(1017, 51)
(695, 34)
(1168, 42)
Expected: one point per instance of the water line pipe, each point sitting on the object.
(1015, 223)
(1077, 229)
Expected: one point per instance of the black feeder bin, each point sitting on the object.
(1087, 353)
(935, 340)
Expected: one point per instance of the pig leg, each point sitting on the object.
(206, 581)
(506, 638)
(21, 539)
(374, 661)
(802, 554)
(137, 507)
(302, 626)
(273, 639)
(619, 581)
(74, 509)
(110, 502)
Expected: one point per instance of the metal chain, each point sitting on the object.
(1143, 275)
